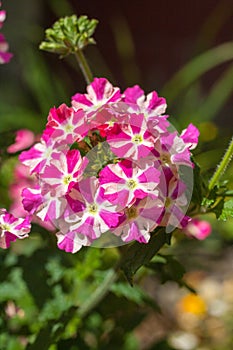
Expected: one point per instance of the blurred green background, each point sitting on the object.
(183, 50)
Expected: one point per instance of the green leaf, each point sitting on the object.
(218, 209)
(227, 210)
(171, 270)
(197, 184)
(139, 254)
(209, 201)
(134, 294)
(212, 104)
(196, 68)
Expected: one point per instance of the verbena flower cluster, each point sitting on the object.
(109, 164)
(5, 56)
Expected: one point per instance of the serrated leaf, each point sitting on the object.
(134, 294)
(210, 200)
(227, 211)
(218, 209)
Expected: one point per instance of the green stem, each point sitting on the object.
(222, 166)
(84, 66)
(99, 293)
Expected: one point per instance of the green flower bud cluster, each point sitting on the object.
(69, 35)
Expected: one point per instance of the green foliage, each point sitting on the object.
(198, 184)
(227, 210)
(196, 68)
(139, 254)
(69, 35)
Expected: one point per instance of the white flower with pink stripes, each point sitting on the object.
(126, 181)
(12, 228)
(133, 140)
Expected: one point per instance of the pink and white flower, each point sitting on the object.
(126, 181)
(133, 140)
(190, 136)
(151, 104)
(65, 126)
(71, 241)
(172, 192)
(41, 154)
(173, 151)
(90, 214)
(199, 229)
(12, 228)
(139, 220)
(135, 189)
(99, 92)
(5, 56)
(64, 172)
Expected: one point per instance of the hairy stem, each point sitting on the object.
(222, 166)
(84, 66)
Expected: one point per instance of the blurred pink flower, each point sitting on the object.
(5, 56)
(24, 139)
(199, 229)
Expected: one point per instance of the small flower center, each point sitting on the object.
(168, 202)
(68, 128)
(92, 208)
(165, 158)
(5, 227)
(137, 139)
(67, 179)
(131, 212)
(132, 184)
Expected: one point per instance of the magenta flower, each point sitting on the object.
(135, 189)
(65, 126)
(173, 151)
(12, 228)
(172, 192)
(133, 140)
(149, 105)
(126, 181)
(41, 154)
(90, 214)
(2, 16)
(139, 220)
(64, 172)
(5, 56)
(99, 92)
(199, 229)
(71, 241)
(190, 136)
(44, 207)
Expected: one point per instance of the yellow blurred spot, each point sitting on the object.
(192, 303)
(208, 131)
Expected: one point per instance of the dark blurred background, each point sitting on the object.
(139, 42)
